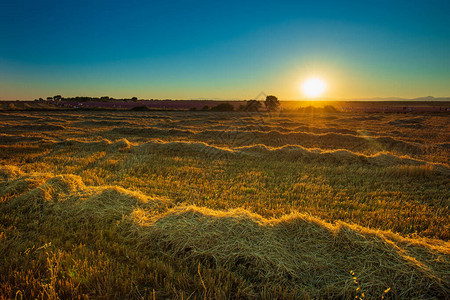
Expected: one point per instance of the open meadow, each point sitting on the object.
(224, 205)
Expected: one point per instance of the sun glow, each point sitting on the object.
(313, 87)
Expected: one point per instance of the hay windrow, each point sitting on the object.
(34, 128)
(7, 139)
(101, 208)
(121, 144)
(107, 204)
(286, 152)
(96, 145)
(300, 250)
(70, 198)
(196, 148)
(8, 172)
(85, 143)
(149, 131)
(327, 139)
(244, 135)
(294, 251)
(101, 123)
(16, 183)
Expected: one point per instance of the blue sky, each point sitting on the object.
(230, 49)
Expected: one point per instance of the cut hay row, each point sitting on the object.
(267, 127)
(32, 127)
(101, 123)
(338, 156)
(302, 251)
(297, 253)
(238, 137)
(6, 139)
(306, 139)
(289, 152)
(239, 129)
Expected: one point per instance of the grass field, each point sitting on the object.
(195, 205)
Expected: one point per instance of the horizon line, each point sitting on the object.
(378, 99)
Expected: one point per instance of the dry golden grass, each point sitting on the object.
(192, 205)
(297, 253)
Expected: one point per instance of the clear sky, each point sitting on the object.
(223, 49)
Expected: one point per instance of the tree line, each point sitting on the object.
(89, 99)
(271, 103)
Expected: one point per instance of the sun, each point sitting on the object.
(313, 87)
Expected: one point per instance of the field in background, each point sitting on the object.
(218, 205)
(432, 105)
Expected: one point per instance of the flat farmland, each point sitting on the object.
(220, 205)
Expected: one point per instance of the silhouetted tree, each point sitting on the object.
(57, 97)
(134, 99)
(223, 107)
(140, 108)
(206, 107)
(252, 105)
(272, 103)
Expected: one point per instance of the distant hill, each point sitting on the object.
(431, 98)
(427, 98)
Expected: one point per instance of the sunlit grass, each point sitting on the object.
(126, 227)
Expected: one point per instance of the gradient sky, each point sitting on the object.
(223, 49)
